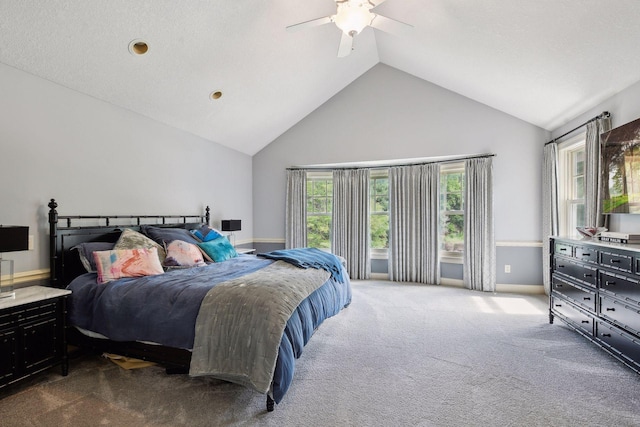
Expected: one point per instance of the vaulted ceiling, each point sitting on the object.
(543, 61)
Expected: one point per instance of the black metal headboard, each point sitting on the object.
(65, 265)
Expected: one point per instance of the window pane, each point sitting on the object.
(380, 231)
(579, 187)
(453, 232)
(318, 231)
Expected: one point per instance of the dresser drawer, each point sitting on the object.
(563, 249)
(586, 254)
(624, 315)
(581, 296)
(618, 342)
(616, 261)
(581, 272)
(620, 286)
(572, 315)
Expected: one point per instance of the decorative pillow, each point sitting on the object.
(130, 239)
(183, 254)
(86, 250)
(115, 264)
(166, 235)
(219, 249)
(206, 233)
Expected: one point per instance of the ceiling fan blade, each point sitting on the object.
(346, 45)
(389, 25)
(309, 24)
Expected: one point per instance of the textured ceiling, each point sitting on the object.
(543, 61)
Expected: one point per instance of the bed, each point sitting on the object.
(239, 318)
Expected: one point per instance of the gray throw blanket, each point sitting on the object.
(241, 322)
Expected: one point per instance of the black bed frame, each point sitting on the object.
(65, 266)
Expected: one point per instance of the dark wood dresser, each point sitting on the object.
(595, 289)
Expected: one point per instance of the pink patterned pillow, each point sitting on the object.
(183, 254)
(112, 265)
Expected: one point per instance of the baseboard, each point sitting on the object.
(500, 287)
(28, 276)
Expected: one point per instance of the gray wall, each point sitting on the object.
(624, 108)
(95, 158)
(388, 114)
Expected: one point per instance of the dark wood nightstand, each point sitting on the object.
(32, 333)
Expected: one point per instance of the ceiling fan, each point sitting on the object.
(352, 16)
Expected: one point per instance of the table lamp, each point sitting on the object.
(232, 225)
(12, 238)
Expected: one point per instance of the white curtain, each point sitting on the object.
(350, 220)
(593, 203)
(296, 209)
(413, 223)
(550, 221)
(479, 272)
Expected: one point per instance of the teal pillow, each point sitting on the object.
(218, 249)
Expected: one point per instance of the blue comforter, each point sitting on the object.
(163, 309)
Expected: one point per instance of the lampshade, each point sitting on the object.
(14, 238)
(231, 225)
(352, 17)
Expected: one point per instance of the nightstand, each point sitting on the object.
(32, 333)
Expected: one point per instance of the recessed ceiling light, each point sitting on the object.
(216, 95)
(138, 47)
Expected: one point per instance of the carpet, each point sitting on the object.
(399, 355)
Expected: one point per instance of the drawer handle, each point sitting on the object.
(585, 321)
(558, 305)
(561, 266)
(615, 261)
(563, 249)
(586, 254)
(587, 275)
(611, 309)
(606, 335)
(587, 298)
(609, 282)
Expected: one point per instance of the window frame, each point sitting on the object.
(378, 253)
(566, 184)
(450, 257)
(320, 176)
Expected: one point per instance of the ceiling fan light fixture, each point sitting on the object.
(352, 18)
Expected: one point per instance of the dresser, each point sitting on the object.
(595, 289)
(32, 333)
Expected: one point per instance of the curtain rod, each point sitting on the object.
(384, 166)
(603, 115)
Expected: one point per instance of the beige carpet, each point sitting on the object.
(401, 354)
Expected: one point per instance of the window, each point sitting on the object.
(571, 185)
(379, 212)
(452, 211)
(319, 207)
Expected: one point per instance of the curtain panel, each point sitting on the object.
(350, 220)
(296, 209)
(593, 203)
(550, 215)
(479, 271)
(413, 222)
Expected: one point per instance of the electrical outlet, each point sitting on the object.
(507, 268)
(31, 242)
